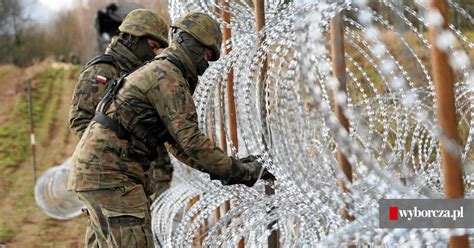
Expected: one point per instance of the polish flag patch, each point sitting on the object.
(101, 79)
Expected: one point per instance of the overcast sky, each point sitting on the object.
(45, 10)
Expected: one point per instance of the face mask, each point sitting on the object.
(196, 50)
(201, 66)
(143, 51)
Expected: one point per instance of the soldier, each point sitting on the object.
(74, 59)
(143, 34)
(149, 109)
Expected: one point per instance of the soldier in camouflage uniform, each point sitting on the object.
(152, 108)
(143, 35)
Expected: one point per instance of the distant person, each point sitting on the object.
(62, 58)
(109, 19)
(143, 35)
(74, 59)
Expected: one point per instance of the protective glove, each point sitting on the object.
(266, 175)
(245, 171)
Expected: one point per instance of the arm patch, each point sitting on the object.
(101, 79)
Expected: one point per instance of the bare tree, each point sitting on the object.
(12, 19)
(12, 24)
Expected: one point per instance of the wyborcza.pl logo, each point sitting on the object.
(426, 213)
(409, 214)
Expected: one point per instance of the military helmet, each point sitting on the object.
(202, 28)
(144, 22)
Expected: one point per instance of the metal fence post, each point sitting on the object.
(339, 72)
(443, 76)
(273, 239)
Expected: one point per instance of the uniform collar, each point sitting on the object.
(126, 59)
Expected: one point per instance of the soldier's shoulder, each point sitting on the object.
(155, 71)
(101, 69)
(101, 66)
(165, 68)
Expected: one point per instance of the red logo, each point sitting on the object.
(393, 213)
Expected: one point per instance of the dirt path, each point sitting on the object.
(35, 228)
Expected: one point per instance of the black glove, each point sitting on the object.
(245, 171)
(266, 175)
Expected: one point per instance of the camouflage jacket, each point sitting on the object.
(101, 159)
(89, 90)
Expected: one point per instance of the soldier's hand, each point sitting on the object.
(250, 159)
(245, 171)
(266, 175)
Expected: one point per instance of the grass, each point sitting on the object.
(6, 233)
(47, 88)
(23, 207)
(469, 34)
(6, 69)
(15, 144)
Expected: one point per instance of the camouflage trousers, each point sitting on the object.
(118, 217)
(161, 180)
(160, 173)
